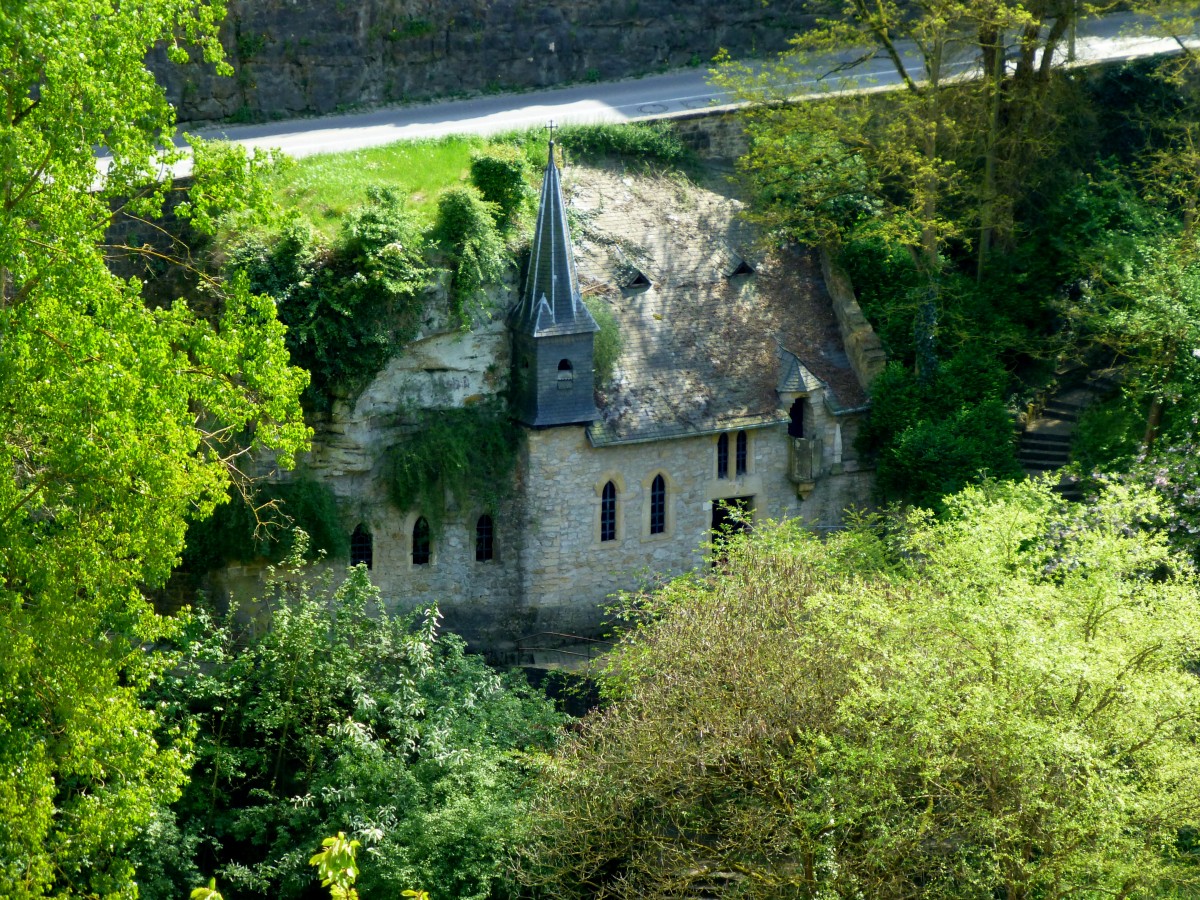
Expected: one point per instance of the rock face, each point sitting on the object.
(310, 57)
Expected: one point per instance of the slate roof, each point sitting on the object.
(704, 349)
(550, 304)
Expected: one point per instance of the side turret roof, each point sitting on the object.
(551, 303)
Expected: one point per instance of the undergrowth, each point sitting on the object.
(241, 531)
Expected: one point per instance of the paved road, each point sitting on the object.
(1102, 39)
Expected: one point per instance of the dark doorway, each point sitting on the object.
(796, 425)
(731, 516)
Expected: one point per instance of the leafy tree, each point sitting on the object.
(1001, 702)
(117, 423)
(332, 716)
(931, 437)
(937, 160)
(1150, 317)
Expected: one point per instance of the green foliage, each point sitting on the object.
(998, 703)
(244, 530)
(806, 186)
(606, 349)
(1108, 435)
(470, 452)
(348, 308)
(502, 174)
(336, 866)
(113, 431)
(931, 437)
(466, 228)
(209, 892)
(635, 142)
(334, 716)
(232, 189)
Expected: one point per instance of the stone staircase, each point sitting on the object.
(1044, 445)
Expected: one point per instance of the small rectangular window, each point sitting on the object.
(484, 539)
(608, 513)
(658, 505)
(741, 452)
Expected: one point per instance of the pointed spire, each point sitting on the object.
(551, 302)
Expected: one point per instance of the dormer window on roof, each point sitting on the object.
(739, 267)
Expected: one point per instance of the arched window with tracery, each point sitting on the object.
(421, 542)
(741, 453)
(485, 537)
(658, 505)
(362, 547)
(723, 456)
(608, 512)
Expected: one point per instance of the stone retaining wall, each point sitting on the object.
(312, 57)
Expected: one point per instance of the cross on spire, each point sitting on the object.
(550, 127)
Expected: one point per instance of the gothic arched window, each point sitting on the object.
(608, 512)
(362, 549)
(740, 465)
(723, 456)
(658, 505)
(421, 543)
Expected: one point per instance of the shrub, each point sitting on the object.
(998, 702)
(606, 349)
(932, 438)
(502, 174)
(466, 228)
(339, 717)
(348, 307)
(656, 141)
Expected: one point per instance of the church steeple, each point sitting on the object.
(550, 303)
(552, 328)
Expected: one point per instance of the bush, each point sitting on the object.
(346, 308)
(606, 349)
(656, 141)
(339, 717)
(932, 438)
(998, 703)
(466, 228)
(502, 174)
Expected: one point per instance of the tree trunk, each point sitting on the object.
(1153, 423)
(993, 58)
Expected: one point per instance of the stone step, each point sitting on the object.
(1042, 463)
(1039, 466)
(1062, 412)
(1045, 437)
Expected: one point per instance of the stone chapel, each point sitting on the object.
(739, 385)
